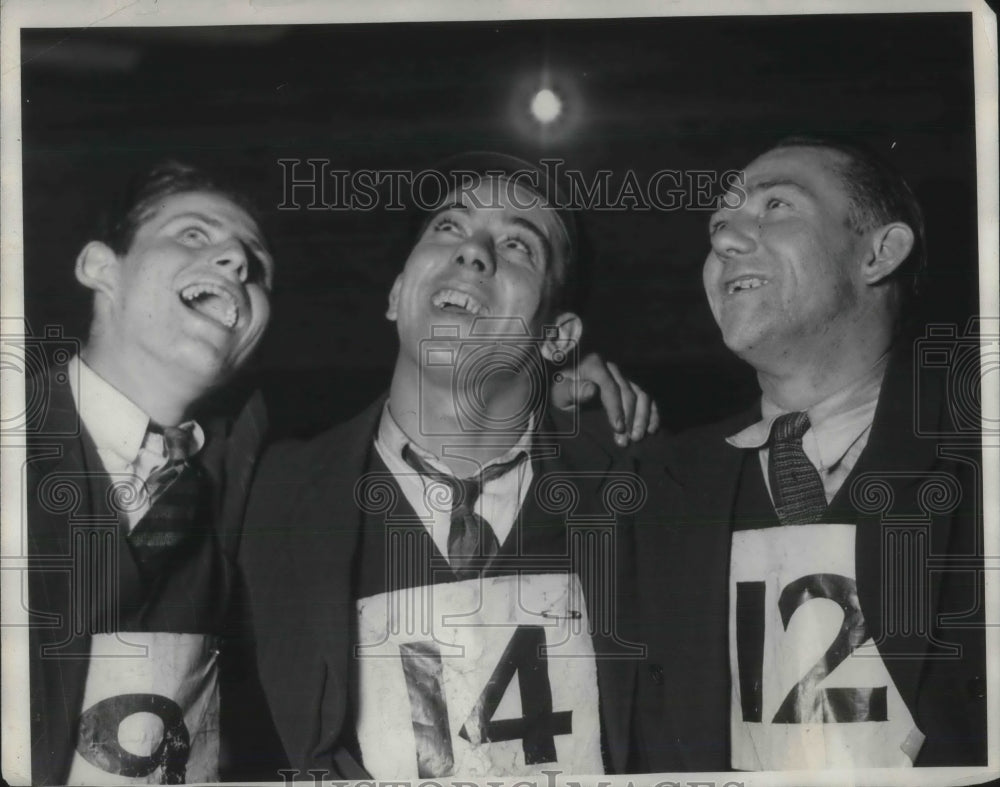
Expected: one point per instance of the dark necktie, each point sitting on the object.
(178, 493)
(796, 487)
(472, 543)
(179, 444)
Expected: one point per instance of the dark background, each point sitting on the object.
(642, 95)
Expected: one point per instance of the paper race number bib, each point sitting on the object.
(809, 687)
(482, 677)
(149, 719)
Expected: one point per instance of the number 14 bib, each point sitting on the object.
(809, 687)
(482, 677)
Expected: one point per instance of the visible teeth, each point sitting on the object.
(750, 283)
(458, 299)
(199, 297)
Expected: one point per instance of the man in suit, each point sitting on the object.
(456, 532)
(848, 482)
(137, 479)
(136, 493)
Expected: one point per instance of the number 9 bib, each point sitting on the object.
(149, 718)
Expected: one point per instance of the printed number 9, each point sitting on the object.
(98, 742)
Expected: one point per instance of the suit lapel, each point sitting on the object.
(588, 468)
(61, 453)
(330, 507)
(711, 470)
(699, 682)
(896, 455)
(232, 448)
(229, 458)
(546, 510)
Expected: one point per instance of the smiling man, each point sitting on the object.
(823, 503)
(180, 303)
(145, 494)
(434, 530)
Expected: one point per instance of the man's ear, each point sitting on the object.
(393, 310)
(560, 337)
(97, 268)
(891, 245)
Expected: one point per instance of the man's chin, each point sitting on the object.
(207, 364)
(744, 340)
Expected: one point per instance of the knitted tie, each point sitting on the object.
(177, 493)
(796, 487)
(472, 543)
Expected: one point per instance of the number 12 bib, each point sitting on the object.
(809, 687)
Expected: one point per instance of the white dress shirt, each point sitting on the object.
(119, 428)
(498, 503)
(838, 432)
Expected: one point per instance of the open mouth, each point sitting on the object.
(456, 302)
(211, 301)
(745, 283)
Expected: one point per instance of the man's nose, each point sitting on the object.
(734, 236)
(232, 256)
(476, 253)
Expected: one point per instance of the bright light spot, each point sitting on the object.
(546, 106)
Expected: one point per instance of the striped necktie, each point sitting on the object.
(179, 446)
(796, 487)
(178, 495)
(472, 543)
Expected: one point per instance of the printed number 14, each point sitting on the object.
(536, 729)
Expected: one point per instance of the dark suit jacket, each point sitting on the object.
(299, 545)
(67, 505)
(945, 692)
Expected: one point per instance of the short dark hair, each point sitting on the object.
(878, 195)
(142, 197)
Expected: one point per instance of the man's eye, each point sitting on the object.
(716, 225)
(516, 245)
(774, 202)
(446, 225)
(194, 236)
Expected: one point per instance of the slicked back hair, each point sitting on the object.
(878, 195)
(146, 192)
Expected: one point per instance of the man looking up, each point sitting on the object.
(139, 481)
(825, 491)
(433, 529)
(125, 685)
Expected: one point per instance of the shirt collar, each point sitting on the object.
(114, 421)
(836, 422)
(394, 439)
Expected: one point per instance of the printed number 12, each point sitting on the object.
(806, 702)
(536, 729)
